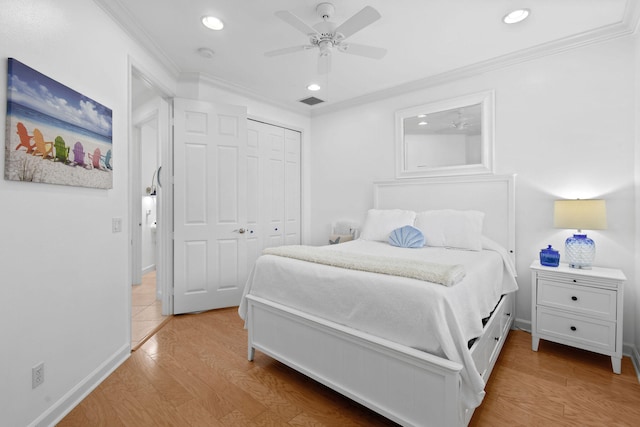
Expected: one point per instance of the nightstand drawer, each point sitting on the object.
(591, 334)
(579, 278)
(600, 303)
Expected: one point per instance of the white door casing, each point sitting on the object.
(164, 210)
(210, 205)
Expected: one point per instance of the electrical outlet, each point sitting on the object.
(37, 375)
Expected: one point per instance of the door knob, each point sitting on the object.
(241, 230)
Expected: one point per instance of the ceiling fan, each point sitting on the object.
(327, 36)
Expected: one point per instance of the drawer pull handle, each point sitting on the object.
(496, 338)
(573, 328)
(574, 298)
(575, 281)
(507, 314)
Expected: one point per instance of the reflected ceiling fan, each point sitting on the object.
(327, 36)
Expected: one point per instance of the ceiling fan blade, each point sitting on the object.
(365, 17)
(324, 64)
(286, 50)
(363, 50)
(296, 22)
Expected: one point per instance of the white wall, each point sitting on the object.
(564, 124)
(64, 274)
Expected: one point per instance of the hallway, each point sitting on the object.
(146, 311)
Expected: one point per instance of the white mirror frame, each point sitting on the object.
(486, 100)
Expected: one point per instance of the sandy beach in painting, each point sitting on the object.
(21, 166)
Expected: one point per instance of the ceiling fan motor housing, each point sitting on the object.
(325, 10)
(326, 29)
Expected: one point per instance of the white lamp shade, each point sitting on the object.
(580, 214)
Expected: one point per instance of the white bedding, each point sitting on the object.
(426, 316)
(444, 274)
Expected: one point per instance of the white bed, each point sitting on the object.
(403, 367)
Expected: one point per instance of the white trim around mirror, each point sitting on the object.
(484, 165)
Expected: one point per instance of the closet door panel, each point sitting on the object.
(276, 151)
(292, 187)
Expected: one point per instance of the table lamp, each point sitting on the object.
(580, 215)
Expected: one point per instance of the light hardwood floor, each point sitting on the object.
(194, 372)
(146, 310)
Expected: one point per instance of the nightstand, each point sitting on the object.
(580, 308)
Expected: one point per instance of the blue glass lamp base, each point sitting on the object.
(580, 251)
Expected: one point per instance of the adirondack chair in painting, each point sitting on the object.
(62, 151)
(95, 158)
(78, 154)
(107, 160)
(25, 138)
(43, 148)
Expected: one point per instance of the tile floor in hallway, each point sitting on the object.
(146, 311)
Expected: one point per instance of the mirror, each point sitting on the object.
(451, 137)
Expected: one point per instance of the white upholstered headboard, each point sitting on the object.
(492, 194)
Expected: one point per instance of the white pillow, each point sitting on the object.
(381, 222)
(451, 228)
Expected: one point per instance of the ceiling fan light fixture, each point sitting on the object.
(212, 23)
(313, 87)
(327, 36)
(516, 16)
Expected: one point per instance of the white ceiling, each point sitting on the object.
(427, 41)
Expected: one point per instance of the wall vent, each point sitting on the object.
(312, 100)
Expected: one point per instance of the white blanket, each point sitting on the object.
(429, 317)
(443, 274)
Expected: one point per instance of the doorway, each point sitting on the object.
(275, 157)
(149, 116)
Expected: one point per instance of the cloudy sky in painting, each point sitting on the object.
(34, 90)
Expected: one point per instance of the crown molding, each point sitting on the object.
(234, 88)
(626, 27)
(122, 17)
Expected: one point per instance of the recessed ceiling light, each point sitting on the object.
(212, 23)
(421, 116)
(516, 16)
(423, 123)
(313, 87)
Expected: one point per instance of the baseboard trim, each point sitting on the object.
(524, 325)
(70, 400)
(148, 269)
(627, 349)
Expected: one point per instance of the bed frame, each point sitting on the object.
(410, 387)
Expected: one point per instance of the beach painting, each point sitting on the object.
(55, 135)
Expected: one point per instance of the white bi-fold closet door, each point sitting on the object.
(236, 191)
(274, 184)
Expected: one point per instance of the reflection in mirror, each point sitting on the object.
(444, 138)
(452, 137)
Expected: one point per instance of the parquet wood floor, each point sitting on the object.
(194, 372)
